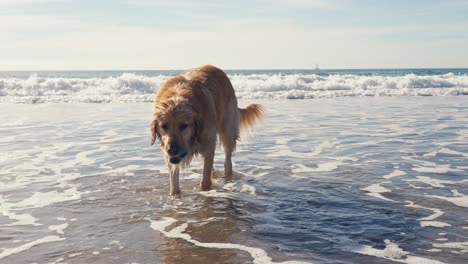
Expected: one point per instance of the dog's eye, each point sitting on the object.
(164, 126)
(182, 127)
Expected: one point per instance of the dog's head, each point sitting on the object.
(177, 127)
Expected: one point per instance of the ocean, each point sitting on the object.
(348, 166)
(139, 86)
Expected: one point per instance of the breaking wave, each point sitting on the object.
(130, 87)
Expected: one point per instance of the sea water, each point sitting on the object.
(373, 172)
(139, 86)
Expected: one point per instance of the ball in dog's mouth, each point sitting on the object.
(177, 159)
(174, 160)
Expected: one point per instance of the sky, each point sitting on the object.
(242, 34)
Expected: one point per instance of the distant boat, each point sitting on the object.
(317, 67)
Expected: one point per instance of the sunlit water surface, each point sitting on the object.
(342, 180)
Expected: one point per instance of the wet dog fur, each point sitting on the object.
(190, 112)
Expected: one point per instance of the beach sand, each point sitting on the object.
(339, 180)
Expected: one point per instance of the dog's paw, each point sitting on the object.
(175, 193)
(205, 187)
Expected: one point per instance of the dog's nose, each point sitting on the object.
(173, 149)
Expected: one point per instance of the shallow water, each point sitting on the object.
(343, 180)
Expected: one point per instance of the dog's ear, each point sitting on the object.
(154, 131)
(198, 129)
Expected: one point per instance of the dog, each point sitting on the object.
(190, 111)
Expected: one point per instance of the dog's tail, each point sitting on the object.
(249, 115)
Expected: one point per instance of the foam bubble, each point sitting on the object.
(259, 255)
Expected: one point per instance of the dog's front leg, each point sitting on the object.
(208, 158)
(174, 180)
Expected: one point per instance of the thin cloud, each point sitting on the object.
(177, 4)
(27, 2)
(10, 21)
(304, 4)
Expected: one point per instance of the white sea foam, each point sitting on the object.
(284, 151)
(322, 146)
(445, 168)
(215, 193)
(446, 151)
(322, 167)
(9, 251)
(130, 87)
(41, 199)
(429, 220)
(58, 228)
(434, 182)
(248, 189)
(392, 252)
(37, 200)
(259, 255)
(7, 139)
(459, 247)
(375, 190)
(433, 224)
(21, 219)
(74, 255)
(395, 173)
(457, 199)
(240, 187)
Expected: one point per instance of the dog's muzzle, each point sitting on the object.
(178, 158)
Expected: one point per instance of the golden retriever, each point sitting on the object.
(190, 110)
